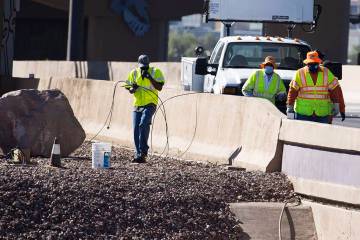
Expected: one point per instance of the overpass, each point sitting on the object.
(107, 30)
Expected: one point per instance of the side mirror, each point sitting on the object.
(199, 50)
(212, 69)
(201, 65)
(335, 68)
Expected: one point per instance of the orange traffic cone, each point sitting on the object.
(55, 158)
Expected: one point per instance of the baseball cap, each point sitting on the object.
(144, 60)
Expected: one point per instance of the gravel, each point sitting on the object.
(162, 199)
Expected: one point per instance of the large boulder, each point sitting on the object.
(31, 119)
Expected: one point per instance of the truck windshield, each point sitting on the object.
(251, 55)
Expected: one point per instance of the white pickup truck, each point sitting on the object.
(235, 58)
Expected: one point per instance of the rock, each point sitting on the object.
(31, 119)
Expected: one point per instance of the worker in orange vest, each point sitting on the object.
(315, 93)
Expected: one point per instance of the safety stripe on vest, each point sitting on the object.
(313, 96)
(315, 88)
(303, 77)
(294, 84)
(135, 75)
(256, 81)
(152, 72)
(326, 76)
(334, 84)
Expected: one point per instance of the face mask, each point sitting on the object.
(269, 70)
(313, 68)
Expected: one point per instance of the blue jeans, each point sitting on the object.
(312, 118)
(141, 123)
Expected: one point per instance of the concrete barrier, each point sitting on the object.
(102, 70)
(98, 70)
(334, 222)
(351, 85)
(322, 160)
(215, 128)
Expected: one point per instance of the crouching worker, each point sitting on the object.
(265, 83)
(144, 83)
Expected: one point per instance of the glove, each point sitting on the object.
(342, 116)
(281, 97)
(135, 86)
(146, 74)
(290, 113)
(336, 109)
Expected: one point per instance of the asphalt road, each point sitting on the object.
(352, 116)
(352, 120)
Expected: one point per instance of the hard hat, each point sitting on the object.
(269, 60)
(312, 57)
(144, 60)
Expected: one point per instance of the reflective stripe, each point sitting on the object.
(257, 81)
(277, 85)
(152, 72)
(294, 84)
(315, 88)
(135, 75)
(326, 76)
(334, 84)
(313, 96)
(303, 77)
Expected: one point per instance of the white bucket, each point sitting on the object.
(101, 154)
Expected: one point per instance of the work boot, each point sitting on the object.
(143, 157)
(139, 159)
(136, 160)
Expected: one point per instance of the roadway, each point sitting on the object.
(352, 116)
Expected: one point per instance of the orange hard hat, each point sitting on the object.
(269, 60)
(312, 57)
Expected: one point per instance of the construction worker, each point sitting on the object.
(144, 83)
(312, 92)
(265, 83)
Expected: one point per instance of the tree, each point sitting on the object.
(183, 44)
(180, 44)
